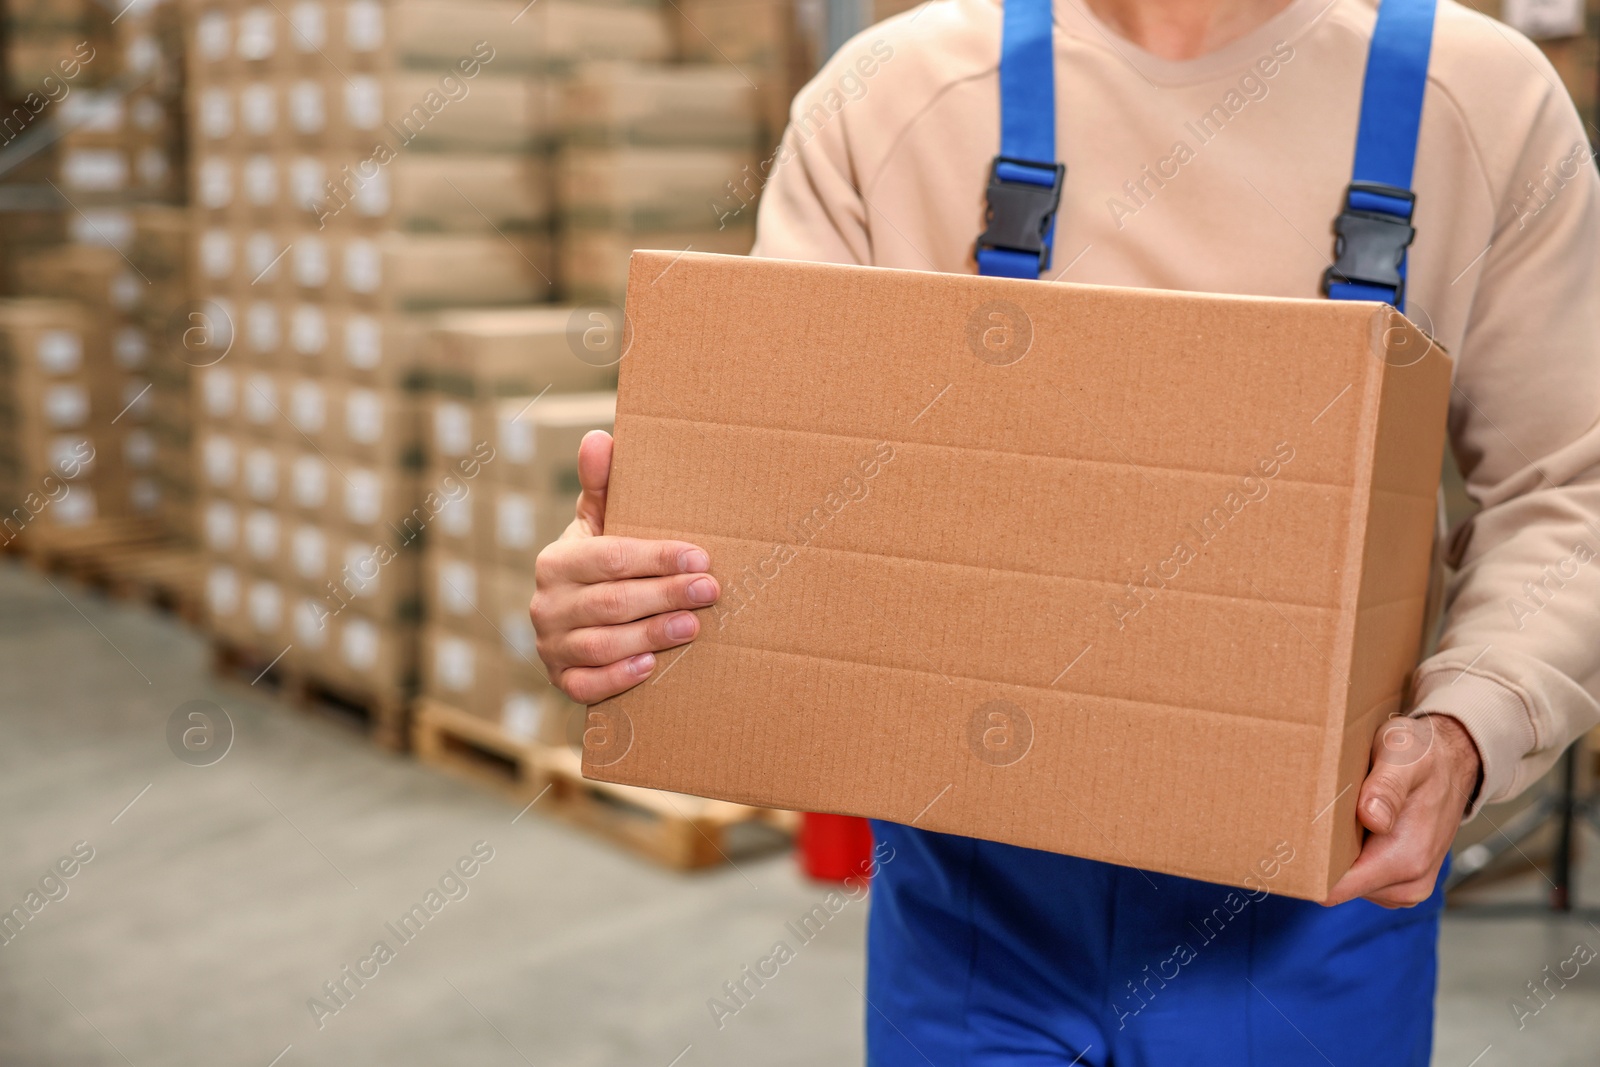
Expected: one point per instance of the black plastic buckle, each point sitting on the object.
(1020, 213)
(1370, 245)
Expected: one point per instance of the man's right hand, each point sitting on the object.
(604, 606)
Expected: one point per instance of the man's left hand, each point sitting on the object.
(1423, 772)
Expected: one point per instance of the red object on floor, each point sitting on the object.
(835, 847)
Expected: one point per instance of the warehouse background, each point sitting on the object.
(304, 308)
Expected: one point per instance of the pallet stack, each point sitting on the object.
(650, 157)
(511, 400)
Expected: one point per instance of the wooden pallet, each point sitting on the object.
(674, 829)
(475, 749)
(125, 559)
(678, 831)
(382, 716)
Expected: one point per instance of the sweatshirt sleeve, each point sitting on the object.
(1519, 655)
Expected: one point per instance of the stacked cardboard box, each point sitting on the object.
(649, 158)
(505, 419)
(57, 470)
(769, 42)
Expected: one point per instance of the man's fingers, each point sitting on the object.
(612, 603)
(590, 685)
(594, 475)
(598, 646)
(1399, 754)
(1388, 872)
(588, 560)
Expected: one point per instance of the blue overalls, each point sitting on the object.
(982, 953)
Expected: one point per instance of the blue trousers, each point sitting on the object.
(982, 954)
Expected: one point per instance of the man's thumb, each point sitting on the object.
(594, 475)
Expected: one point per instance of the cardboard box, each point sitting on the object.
(536, 440)
(622, 103)
(424, 192)
(646, 188)
(594, 262)
(1126, 574)
(523, 351)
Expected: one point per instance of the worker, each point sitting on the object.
(1418, 153)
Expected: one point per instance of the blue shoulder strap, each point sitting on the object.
(1025, 180)
(1374, 230)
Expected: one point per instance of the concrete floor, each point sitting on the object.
(219, 899)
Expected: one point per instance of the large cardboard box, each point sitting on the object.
(1126, 574)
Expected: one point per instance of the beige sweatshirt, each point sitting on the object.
(1224, 174)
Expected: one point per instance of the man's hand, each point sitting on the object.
(1423, 772)
(603, 606)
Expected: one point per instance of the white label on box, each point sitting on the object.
(262, 254)
(77, 508)
(60, 351)
(220, 458)
(106, 227)
(261, 474)
(261, 534)
(362, 273)
(125, 289)
(136, 399)
(215, 181)
(266, 606)
(92, 112)
(212, 36)
(143, 55)
(361, 568)
(458, 587)
(452, 662)
(309, 550)
(363, 102)
(308, 407)
(221, 526)
(455, 517)
(144, 494)
(363, 416)
(519, 715)
(520, 637)
(218, 390)
(147, 114)
(363, 497)
(261, 326)
(1544, 19)
(311, 262)
(371, 197)
(216, 253)
(306, 178)
(363, 26)
(258, 109)
(260, 398)
(359, 644)
(216, 112)
(96, 170)
(130, 348)
(309, 21)
(222, 589)
(257, 33)
(310, 623)
(307, 112)
(139, 449)
(363, 342)
(310, 482)
(65, 451)
(261, 180)
(514, 520)
(66, 406)
(452, 428)
(516, 441)
(308, 329)
(153, 167)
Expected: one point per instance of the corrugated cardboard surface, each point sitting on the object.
(1127, 574)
